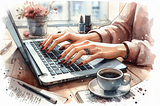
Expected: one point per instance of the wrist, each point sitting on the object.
(94, 37)
(123, 50)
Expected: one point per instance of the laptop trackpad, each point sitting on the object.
(96, 61)
(108, 63)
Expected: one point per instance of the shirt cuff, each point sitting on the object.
(133, 51)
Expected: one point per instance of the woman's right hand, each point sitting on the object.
(61, 37)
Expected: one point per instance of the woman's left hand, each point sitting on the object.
(97, 50)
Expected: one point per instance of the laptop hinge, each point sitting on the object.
(35, 70)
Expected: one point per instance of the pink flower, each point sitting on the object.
(29, 12)
(36, 10)
(33, 11)
(41, 11)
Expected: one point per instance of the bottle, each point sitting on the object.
(88, 25)
(81, 26)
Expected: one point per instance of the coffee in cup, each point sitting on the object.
(111, 79)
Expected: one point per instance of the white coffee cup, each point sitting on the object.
(111, 79)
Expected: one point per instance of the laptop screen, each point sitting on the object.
(11, 26)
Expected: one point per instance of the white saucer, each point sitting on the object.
(97, 90)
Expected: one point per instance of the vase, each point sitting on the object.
(37, 26)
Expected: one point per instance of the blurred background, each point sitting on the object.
(69, 12)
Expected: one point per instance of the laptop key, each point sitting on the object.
(48, 60)
(42, 51)
(53, 51)
(65, 64)
(82, 67)
(55, 68)
(49, 69)
(64, 70)
(56, 53)
(52, 65)
(52, 73)
(76, 62)
(60, 51)
(54, 57)
(45, 55)
(75, 67)
(57, 46)
(38, 42)
(51, 62)
(60, 65)
(55, 60)
(41, 58)
(70, 69)
(58, 72)
(88, 66)
(47, 65)
(50, 54)
(38, 53)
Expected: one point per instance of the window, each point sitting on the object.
(97, 9)
(69, 12)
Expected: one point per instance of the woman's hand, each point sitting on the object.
(74, 38)
(97, 50)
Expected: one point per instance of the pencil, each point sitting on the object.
(39, 93)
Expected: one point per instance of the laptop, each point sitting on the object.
(46, 68)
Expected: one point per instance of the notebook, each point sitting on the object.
(46, 68)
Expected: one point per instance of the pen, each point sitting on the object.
(39, 93)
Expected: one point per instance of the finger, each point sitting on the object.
(71, 50)
(50, 39)
(45, 40)
(76, 57)
(80, 51)
(65, 46)
(60, 39)
(47, 43)
(56, 35)
(92, 57)
(69, 55)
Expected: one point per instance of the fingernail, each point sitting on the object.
(62, 61)
(62, 48)
(40, 44)
(42, 48)
(80, 64)
(59, 56)
(59, 31)
(47, 51)
(69, 63)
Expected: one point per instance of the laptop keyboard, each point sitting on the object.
(53, 65)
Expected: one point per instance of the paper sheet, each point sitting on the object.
(16, 92)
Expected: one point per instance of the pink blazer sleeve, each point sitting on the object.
(131, 27)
